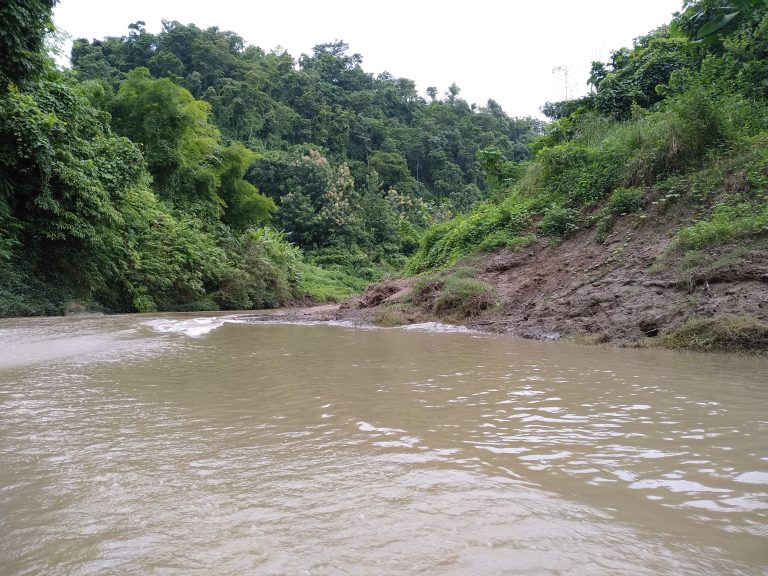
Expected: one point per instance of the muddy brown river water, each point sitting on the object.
(175, 445)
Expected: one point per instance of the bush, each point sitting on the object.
(462, 298)
(626, 201)
(501, 239)
(559, 221)
(350, 260)
(722, 333)
(264, 274)
(21, 294)
(584, 175)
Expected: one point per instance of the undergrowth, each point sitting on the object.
(321, 285)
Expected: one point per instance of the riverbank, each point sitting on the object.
(633, 289)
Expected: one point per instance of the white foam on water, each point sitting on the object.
(194, 327)
(437, 327)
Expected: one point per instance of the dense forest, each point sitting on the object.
(187, 170)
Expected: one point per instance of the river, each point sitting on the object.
(174, 445)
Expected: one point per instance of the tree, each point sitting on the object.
(23, 27)
(245, 206)
(180, 146)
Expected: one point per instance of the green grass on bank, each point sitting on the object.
(721, 333)
(321, 285)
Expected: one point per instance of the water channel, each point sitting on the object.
(174, 445)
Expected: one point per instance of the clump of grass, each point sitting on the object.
(462, 298)
(454, 296)
(502, 239)
(519, 242)
(726, 223)
(390, 316)
(694, 259)
(721, 333)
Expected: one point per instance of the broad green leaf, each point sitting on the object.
(713, 26)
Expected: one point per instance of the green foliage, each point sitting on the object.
(23, 294)
(497, 170)
(502, 239)
(264, 100)
(625, 201)
(722, 333)
(167, 261)
(455, 297)
(603, 228)
(580, 174)
(634, 76)
(321, 285)
(444, 244)
(79, 201)
(265, 274)
(707, 21)
(180, 146)
(245, 206)
(559, 222)
(352, 261)
(23, 27)
(725, 224)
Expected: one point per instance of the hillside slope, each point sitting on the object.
(632, 287)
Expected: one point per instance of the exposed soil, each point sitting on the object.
(629, 288)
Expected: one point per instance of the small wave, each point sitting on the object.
(194, 327)
(438, 327)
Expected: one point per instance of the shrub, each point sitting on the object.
(22, 294)
(626, 201)
(584, 175)
(559, 221)
(348, 259)
(520, 242)
(264, 274)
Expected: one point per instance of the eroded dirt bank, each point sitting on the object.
(631, 287)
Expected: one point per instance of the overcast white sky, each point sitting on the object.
(505, 50)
